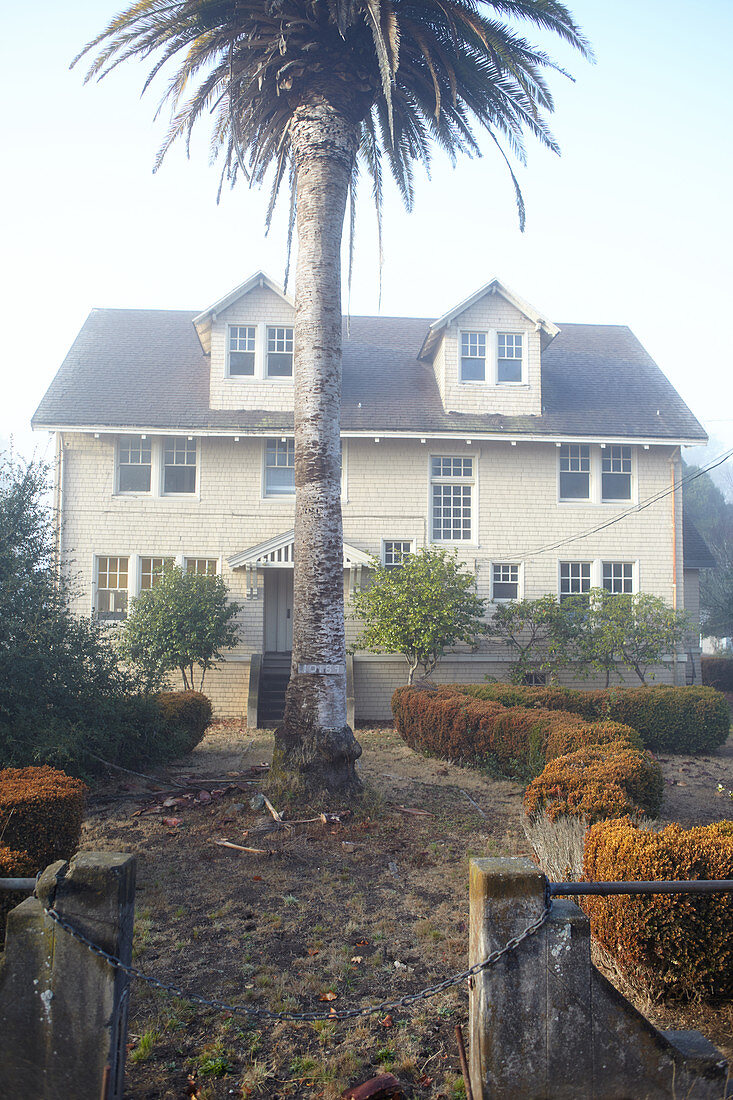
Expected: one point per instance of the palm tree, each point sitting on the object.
(314, 90)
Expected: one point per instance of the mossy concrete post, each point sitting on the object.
(63, 1009)
(546, 1025)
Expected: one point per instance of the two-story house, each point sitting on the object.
(547, 455)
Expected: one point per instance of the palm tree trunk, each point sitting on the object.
(314, 740)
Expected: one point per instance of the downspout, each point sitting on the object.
(58, 496)
(672, 464)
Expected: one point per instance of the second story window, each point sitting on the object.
(242, 349)
(134, 464)
(179, 465)
(279, 467)
(451, 495)
(504, 581)
(574, 578)
(279, 352)
(618, 576)
(509, 357)
(473, 357)
(575, 471)
(616, 473)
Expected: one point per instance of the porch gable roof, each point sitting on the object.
(277, 552)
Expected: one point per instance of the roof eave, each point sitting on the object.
(202, 323)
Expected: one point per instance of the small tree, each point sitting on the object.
(535, 632)
(183, 621)
(419, 609)
(617, 629)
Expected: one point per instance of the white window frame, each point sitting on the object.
(264, 495)
(621, 561)
(474, 334)
(471, 481)
(596, 570)
(595, 479)
(520, 581)
(137, 573)
(266, 350)
(202, 557)
(522, 380)
(240, 325)
(166, 441)
(287, 440)
(575, 561)
(491, 372)
(607, 452)
(143, 438)
(383, 554)
(131, 565)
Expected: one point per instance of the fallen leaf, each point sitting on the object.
(203, 796)
(357, 959)
(171, 802)
(387, 1022)
(313, 951)
(425, 1082)
(330, 996)
(362, 943)
(172, 822)
(256, 878)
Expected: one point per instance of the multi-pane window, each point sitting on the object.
(203, 566)
(574, 578)
(509, 357)
(152, 570)
(452, 498)
(395, 551)
(504, 581)
(473, 357)
(179, 465)
(279, 352)
(134, 462)
(616, 473)
(242, 349)
(618, 576)
(112, 587)
(574, 471)
(279, 467)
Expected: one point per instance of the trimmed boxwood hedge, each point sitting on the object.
(669, 945)
(669, 719)
(518, 739)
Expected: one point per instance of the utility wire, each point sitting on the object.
(647, 503)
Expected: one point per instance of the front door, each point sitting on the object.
(278, 610)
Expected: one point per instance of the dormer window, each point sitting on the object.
(473, 357)
(279, 352)
(509, 357)
(242, 350)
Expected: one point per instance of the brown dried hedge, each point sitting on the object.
(186, 714)
(669, 719)
(597, 782)
(670, 945)
(717, 672)
(455, 726)
(41, 812)
(12, 865)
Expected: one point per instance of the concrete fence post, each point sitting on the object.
(63, 1009)
(546, 1025)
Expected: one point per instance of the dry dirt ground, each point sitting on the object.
(339, 915)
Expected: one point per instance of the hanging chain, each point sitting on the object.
(344, 1014)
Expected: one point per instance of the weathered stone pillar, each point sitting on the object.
(546, 1025)
(64, 1009)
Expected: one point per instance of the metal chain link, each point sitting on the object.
(346, 1014)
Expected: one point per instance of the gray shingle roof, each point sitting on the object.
(145, 368)
(696, 553)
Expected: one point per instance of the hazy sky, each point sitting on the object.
(632, 225)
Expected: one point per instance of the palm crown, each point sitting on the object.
(405, 73)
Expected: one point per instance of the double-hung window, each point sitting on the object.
(618, 576)
(242, 350)
(509, 357)
(112, 587)
(279, 467)
(179, 465)
(451, 493)
(575, 471)
(152, 570)
(574, 578)
(504, 581)
(279, 352)
(205, 567)
(394, 552)
(134, 464)
(473, 357)
(616, 473)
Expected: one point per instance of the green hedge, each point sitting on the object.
(717, 672)
(519, 740)
(669, 719)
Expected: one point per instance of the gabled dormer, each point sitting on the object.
(487, 353)
(249, 337)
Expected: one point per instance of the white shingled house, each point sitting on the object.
(530, 447)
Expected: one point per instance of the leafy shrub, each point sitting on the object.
(597, 782)
(669, 719)
(185, 714)
(717, 672)
(517, 739)
(41, 811)
(13, 864)
(575, 733)
(671, 945)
